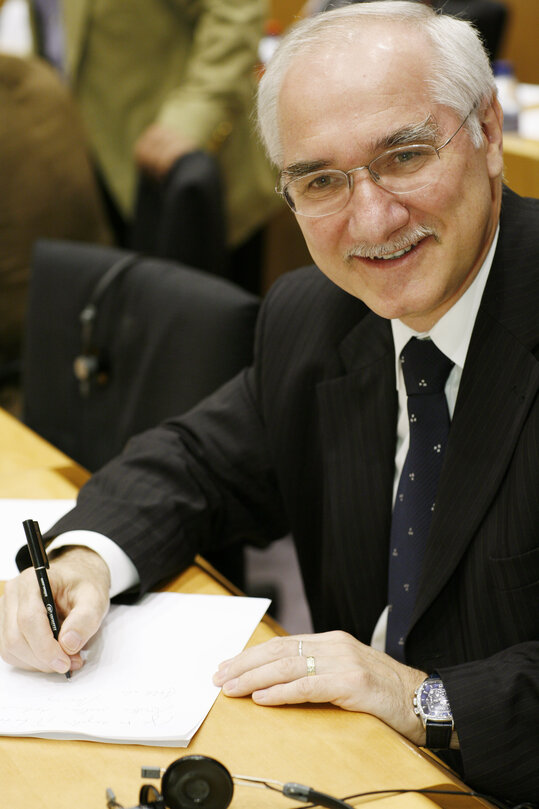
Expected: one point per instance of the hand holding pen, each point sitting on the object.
(80, 581)
(38, 555)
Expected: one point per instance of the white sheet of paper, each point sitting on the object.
(147, 678)
(12, 514)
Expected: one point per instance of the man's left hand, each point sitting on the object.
(347, 673)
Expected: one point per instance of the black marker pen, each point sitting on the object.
(40, 562)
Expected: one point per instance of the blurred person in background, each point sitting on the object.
(157, 80)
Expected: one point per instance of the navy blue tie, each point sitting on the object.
(425, 371)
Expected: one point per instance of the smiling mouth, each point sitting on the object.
(396, 254)
(410, 241)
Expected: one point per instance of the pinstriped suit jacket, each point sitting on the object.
(305, 442)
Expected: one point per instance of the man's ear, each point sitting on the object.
(491, 118)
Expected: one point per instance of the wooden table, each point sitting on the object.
(328, 748)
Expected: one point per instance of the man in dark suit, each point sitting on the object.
(391, 159)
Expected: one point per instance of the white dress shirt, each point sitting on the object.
(451, 334)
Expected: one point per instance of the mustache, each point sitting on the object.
(401, 242)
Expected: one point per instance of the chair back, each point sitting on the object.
(182, 217)
(155, 338)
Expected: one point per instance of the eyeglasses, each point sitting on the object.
(400, 170)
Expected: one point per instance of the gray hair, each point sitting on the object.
(461, 77)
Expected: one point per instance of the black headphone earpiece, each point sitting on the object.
(193, 782)
(91, 364)
(200, 782)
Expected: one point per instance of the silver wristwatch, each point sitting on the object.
(432, 706)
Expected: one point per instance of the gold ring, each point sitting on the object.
(300, 648)
(311, 666)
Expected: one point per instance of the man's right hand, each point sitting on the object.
(80, 581)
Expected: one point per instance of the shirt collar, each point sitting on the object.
(453, 332)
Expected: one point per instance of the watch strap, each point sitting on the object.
(438, 734)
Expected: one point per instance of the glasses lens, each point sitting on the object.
(318, 194)
(407, 168)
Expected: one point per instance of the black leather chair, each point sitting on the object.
(156, 338)
(182, 218)
(160, 337)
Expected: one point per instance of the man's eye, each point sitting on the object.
(408, 160)
(408, 157)
(320, 182)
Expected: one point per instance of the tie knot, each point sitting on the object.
(424, 366)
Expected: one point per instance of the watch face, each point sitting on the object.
(433, 701)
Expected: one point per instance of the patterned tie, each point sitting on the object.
(425, 371)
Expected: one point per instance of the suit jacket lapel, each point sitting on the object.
(502, 375)
(358, 420)
(480, 446)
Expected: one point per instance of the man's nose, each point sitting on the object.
(374, 213)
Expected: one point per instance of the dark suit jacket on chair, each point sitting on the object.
(305, 441)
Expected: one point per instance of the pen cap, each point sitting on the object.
(34, 539)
